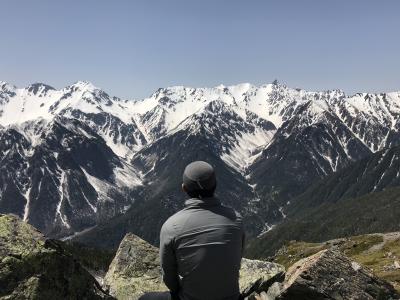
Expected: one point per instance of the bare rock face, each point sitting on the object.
(32, 267)
(136, 270)
(329, 274)
(258, 275)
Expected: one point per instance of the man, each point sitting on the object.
(201, 246)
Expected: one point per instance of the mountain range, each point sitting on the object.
(79, 163)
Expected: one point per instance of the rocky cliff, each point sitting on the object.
(32, 267)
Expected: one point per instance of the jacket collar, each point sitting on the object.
(204, 202)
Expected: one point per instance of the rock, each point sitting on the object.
(136, 269)
(257, 276)
(32, 267)
(329, 274)
(396, 264)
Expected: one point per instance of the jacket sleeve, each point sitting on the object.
(168, 259)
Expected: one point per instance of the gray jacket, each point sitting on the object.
(201, 248)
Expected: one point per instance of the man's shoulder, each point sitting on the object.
(178, 220)
(172, 223)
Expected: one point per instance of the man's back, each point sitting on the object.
(202, 244)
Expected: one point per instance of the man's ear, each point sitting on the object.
(183, 188)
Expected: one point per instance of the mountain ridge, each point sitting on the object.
(361, 198)
(272, 141)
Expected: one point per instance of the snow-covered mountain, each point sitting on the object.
(61, 176)
(74, 157)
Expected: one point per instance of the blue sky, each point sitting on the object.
(131, 48)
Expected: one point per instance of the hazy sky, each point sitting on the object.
(131, 48)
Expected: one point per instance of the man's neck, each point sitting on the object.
(209, 201)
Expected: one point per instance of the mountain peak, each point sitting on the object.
(5, 86)
(39, 88)
(83, 85)
(215, 106)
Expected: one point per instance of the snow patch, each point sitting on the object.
(26, 208)
(62, 186)
(244, 152)
(127, 176)
(266, 229)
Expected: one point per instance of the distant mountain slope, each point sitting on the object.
(363, 198)
(104, 156)
(162, 163)
(61, 176)
(372, 174)
(375, 212)
(309, 146)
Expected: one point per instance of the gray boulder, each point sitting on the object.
(329, 274)
(32, 267)
(134, 270)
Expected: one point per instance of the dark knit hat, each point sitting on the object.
(199, 176)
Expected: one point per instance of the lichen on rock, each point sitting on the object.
(134, 270)
(329, 274)
(32, 267)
